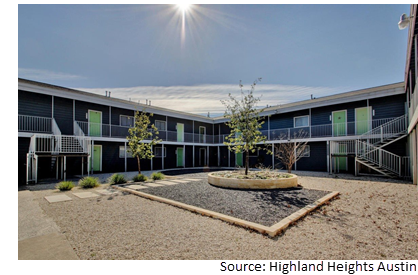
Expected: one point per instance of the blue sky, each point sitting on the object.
(143, 52)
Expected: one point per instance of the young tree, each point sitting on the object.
(290, 152)
(245, 124)
(142, 136)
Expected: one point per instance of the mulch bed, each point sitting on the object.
(265, 207)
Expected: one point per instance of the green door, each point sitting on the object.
(180, 132)
(97, 158)
(339, 123)
(342, 161)
(180, 157)
(362, 120)
(95, 123)
(239, 159)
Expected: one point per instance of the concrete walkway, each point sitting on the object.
(39, 237)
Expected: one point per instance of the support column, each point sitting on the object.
(82, 166)
(296, 166)
(229, 158)
(56, 167)
(65, 168)
(272, 155)
(88, 164)
(207, 156)
(184, 156)
(126, 161)
(36, 168)
(193, 157)
(162, 158)
(219, 156)
(92, 156)
(152, 159)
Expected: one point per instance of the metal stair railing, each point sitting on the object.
(387, 130)
(380, 157)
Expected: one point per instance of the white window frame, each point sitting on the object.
(307, 152)
(122, 149)
(161, 121)
(120, 120)
(294, 122)
(165, 152)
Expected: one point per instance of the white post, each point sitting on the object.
(27, 168)
(219, 157)
(92, 156)
(295, 156)
(229, 158)
(193, 157)
(126, 161)
(162, 158)
(272, 156)
(110, 122)
(88, 164)
(184, 156)
(268, 127)
(36, 168)
(82, 166)
(207, 155)
(65, 168)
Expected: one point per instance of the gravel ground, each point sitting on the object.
(265, 207)
(373, 219)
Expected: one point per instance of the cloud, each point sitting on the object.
(201, 99)
(44, 75)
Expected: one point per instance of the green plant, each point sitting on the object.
(139, 177)
(117, 179)
(142, 130)
(65, 185)
(157, 176)
(89, 182)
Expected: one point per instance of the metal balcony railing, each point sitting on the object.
(35, 124)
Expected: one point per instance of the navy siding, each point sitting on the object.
(387, 107)
(34, 104)
(63, 114)
(209, 127)
(23, 149)
(82, 108)
(213, 156)
(189, 156)
(321, 116)
(172, 123)
(317, 160)
(116, 112)
(280, 121)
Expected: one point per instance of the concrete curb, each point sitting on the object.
(272, 231)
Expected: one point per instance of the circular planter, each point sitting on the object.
(253, 183)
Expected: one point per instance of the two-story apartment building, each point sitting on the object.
(411, 76)
(69, 132)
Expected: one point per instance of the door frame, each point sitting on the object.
(177, 157)
(332, 122)
(200, 157)
(204, 134)
(88, 121)
(178, 132)
(369, 121)
(101, 157)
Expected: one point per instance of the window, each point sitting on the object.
(301, 121)
(122, 152)
(127, 121)
(202, 134)
(306, 152)
(161, 126)
(158, 152)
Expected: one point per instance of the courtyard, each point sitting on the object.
(373, 218)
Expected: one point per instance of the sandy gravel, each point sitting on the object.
(373, 219)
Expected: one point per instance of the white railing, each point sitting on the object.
(343, 147)
(35, 124)
(43, 143)
(406, 164)
(379, 157)
(387, 130)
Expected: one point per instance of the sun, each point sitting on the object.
(183, 7)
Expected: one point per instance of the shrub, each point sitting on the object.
(157, 176)
(117, 179)
(65, 185)
(139, 177)
(89, 182)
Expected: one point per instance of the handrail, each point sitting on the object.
(34, 124)
(379, 156)
(386, 130)
(44, 143)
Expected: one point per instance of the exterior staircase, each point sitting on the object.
(370, 152)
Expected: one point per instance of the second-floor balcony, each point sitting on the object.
(355, 128)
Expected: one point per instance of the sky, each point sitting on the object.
(190, 61)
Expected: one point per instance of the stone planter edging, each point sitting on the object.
(253, 183)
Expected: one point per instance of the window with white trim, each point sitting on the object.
(158, 152)
(161, 125)
(301, 121)
(127, 121)
(306, 152)
(122, 152)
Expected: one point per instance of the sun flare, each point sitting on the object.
(183, 7)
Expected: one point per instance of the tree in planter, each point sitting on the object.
(142, 131)
(245, 124)
(290, 152)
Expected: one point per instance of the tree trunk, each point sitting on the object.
(247, 162)
(289, 168)
(139, 165)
